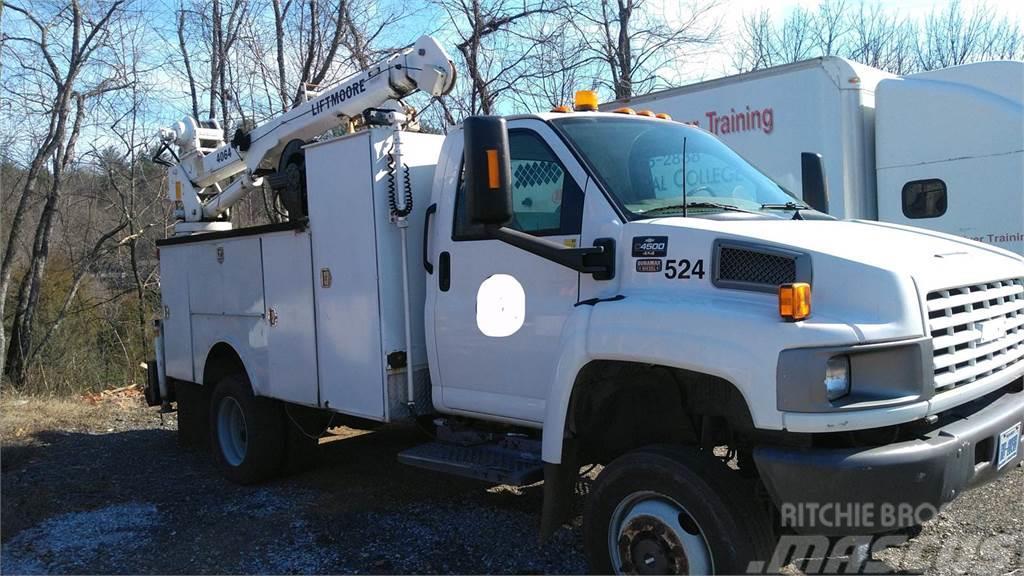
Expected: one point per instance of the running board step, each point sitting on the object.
(507, 462)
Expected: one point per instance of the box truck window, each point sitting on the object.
(924, 198)
(546, 201)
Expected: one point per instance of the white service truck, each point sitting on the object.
(546, 291)
(942, 150)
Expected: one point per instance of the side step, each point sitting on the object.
(513, 461)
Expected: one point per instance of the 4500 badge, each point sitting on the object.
(648, 250)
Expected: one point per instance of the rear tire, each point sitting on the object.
(673, 510)
(247, 433)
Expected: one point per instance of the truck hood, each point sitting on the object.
(935, 260)
(870, 277)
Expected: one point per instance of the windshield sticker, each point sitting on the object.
(648, 265)
(650, 246)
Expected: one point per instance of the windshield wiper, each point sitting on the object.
(786, 206)
(682, 207)
(796, 208)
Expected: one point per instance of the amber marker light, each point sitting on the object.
(795, 301)
(586, 101)
(493, 177)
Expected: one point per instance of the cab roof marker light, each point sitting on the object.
(795, 301)
(586, 101)
(663, 116)
(646, 113)
(629, 111)
(561, 109)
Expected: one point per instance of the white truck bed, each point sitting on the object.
(315, 309)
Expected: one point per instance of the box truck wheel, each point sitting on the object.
(247, 433)
(672, 510)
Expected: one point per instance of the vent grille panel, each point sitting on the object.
(976, 331)
(740, 265)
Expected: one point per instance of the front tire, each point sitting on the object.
(247, 433)
(672, 510)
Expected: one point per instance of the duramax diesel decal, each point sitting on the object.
(648, 265)
(650, 246)
(684, 269)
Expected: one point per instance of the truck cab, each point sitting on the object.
(845, 362)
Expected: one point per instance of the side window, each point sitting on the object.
(924, 198)
(546, 201)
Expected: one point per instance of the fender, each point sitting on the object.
(573, 358)
(251, 365)
(692, 333)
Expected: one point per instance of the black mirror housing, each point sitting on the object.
(815, 186)
(488, 172)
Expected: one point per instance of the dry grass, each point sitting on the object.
(22, 416)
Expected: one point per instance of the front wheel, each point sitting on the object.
(672, 510)
(247, 432)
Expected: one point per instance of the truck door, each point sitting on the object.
(498, 311)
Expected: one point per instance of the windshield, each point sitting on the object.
(642, 164)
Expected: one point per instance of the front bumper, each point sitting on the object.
(878, 489)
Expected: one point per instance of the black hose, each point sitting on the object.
(393, 188)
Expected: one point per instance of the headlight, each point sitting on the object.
(837, 377)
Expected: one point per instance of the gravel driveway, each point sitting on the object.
(103, 487)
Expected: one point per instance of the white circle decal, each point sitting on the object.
(500, 306)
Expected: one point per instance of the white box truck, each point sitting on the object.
(942, 150)
(546, 291)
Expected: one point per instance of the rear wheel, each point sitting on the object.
(672, 510)
(247, 433)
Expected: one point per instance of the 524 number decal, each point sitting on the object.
(684, 269)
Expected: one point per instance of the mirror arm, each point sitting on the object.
(598, 260)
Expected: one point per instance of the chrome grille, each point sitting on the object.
(976, 331)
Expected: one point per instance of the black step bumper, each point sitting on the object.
(884, 488)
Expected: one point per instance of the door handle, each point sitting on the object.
(426, 239)
(444, 277)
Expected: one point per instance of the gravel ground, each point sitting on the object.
(102, 487)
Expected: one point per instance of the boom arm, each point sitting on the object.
(205, 160)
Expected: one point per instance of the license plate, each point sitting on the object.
(1009, 443)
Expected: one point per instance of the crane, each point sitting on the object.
(204, 162)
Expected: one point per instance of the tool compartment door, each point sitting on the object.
(343, 227)
(291, 332)
(177, 322)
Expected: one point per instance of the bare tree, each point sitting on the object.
(83, 31)
(831, 26)
(189, 75)
(954, 36)
(796, 39)
(755, 49)
(555, 69)
(635, 42)
(878, 35)
(493, 45)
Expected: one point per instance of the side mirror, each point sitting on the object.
(488, 172)
(815, 187)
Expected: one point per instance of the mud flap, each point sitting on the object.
(152, 391)
(559, 490)
(193, 414)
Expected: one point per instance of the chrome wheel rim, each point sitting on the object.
(650, 533)
(231, 431)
